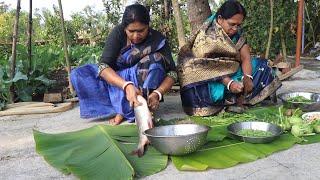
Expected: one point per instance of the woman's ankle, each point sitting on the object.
(116, 120)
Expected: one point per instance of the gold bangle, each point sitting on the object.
(161, 90)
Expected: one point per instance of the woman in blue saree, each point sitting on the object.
(215, 68)
(136, 60)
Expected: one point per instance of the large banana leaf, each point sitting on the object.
(105, 151)
(94, 153)
(228, 153)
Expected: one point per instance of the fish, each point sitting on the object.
(144, 121)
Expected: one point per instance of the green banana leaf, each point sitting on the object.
(96, 153)
(310, 139)
(229, 153)
(105, 151)
(222, 152)
(217, 133)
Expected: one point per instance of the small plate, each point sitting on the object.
(311, 116)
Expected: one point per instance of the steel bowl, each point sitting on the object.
(177, 139)
(307, 107)
(311, 116)
(235, 128)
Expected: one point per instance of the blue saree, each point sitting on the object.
(97, 98)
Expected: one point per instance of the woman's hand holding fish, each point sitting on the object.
(131, 94)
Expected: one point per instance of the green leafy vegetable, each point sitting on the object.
(223, 119)
(254, 133)
(294, 120)
(300, 130)
(299, 99)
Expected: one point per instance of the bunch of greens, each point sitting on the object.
(296, 117)
(283, 120)
(287, 119)
(300, 130)
(299, 99)
(299, 127)
(225, 118)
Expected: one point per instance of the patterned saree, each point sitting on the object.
(208, 57)
(142, 64)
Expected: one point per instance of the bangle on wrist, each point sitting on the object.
(159, 94)
(126, 84)
(229, 84)
(248, 76)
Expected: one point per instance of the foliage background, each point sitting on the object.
(88, 29)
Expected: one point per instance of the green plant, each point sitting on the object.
(256, 28)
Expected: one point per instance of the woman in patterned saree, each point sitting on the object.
(215, 68)
(136, 60)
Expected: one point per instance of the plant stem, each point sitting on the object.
(270, 31)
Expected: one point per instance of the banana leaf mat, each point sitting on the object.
(105, 151)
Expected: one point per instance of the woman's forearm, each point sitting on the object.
(109, 75)
(166, 85)
(226, 80)
(246, 60)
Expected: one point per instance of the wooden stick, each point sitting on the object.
(37, 110)
(28, 104)
(290, 73)
(299, 32)
(65, 47)
(14, 51)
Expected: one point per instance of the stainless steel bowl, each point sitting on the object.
(235, 128)
(312, 106)
(178, 139)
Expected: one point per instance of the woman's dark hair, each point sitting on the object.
(231, 8)
(135, 12)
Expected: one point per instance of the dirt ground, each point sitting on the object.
(18, 159)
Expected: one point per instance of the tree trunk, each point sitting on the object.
(283, 45)
(166, 9)
(299, 32)
(198, 12)
(65, 47)
(310, 23)
(270, 31)
(179, 24)
(14, 51)
(30, 36)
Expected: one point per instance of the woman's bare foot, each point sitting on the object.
(116, 120)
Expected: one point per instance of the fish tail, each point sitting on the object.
(139, 151)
